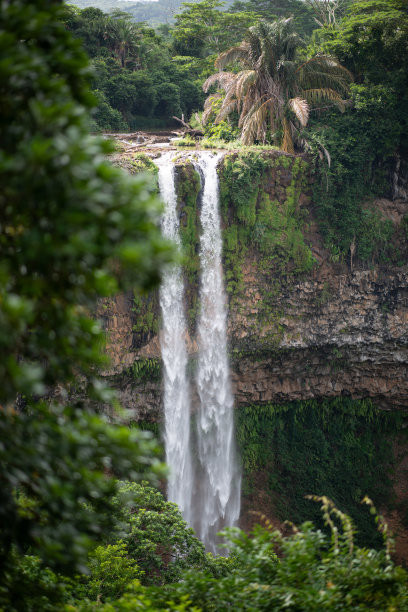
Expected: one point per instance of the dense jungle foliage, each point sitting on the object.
(340, 448)
(143, 77)
(80, 528)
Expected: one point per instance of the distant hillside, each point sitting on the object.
(152, 11)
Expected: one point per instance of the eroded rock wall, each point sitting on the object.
(328, 335)
(301, 325)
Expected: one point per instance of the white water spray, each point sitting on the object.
(220, 480)
(174, 355)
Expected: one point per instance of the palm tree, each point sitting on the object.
(123, 38)
(274, 87)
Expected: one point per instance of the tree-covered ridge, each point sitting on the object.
(143, 77)
(150, 75)
(135, 80)
(367, 143)
(156, 12)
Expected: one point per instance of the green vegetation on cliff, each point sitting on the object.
(366, 142)
(260, 206)
(340, 448)
(188, 190)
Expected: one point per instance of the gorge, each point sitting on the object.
(323, 336)
(308, 337)
(250, 371)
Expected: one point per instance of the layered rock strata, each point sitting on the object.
(329, 335)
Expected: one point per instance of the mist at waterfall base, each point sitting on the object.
(206, 486)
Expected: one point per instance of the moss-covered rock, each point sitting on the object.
(188, 186)
(262, 197)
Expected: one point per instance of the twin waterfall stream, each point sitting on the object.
(206, 484)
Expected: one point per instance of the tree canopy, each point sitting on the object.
(274, 84)
(366, 142)
(73, 229)
(203, 29)
(270, 10)
(135, 79)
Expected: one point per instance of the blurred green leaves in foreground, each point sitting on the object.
(72, 229)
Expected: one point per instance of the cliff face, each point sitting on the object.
(304, 324)
(333, 334)
(301, 325)
(329, 335)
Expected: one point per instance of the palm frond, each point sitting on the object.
(259, 62)
(223, 78)
(271, 80)
(230, 94)
(324, 70)
(301, 109)
(324, 60)
(251, 100)
(323, 79)
(254, 123)
(231, 55)
(225, 110)
(252, 127)
(323, 94)
(245, 79)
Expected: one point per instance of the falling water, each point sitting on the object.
(220, 480)
(174, 355)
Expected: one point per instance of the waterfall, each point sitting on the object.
(220, 480)
(208, 494)
(174, 355)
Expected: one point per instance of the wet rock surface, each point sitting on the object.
(341, 330)
(335, 334)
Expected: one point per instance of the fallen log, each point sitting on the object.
(188, 129)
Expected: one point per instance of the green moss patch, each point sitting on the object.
(260, 203)
(340, 447)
